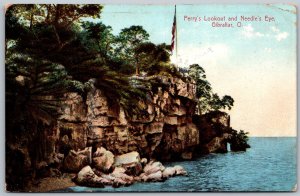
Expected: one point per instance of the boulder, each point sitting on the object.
(108, 178)
(41, 165)
(119, 182)
(120, 177)
(53, 172)
(180, 170)
(75, 161)
(117, 178)
(144, 161)
(137, 178)
(134, 169)
(56, 159)
(131, 162)
(153, 167)
(169, 172)
(127, 159)
(87, 177)
(153, 172)
(103, 159)
(153, 177)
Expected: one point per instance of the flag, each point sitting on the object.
(173, 32)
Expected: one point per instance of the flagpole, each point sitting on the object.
(176, 37)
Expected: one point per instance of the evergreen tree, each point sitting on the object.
(128, 41)
(207, 100)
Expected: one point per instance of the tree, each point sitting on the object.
(216, 103)
(239, 140)
(127, 45)
(37, 76)
(47, 68)
(203, 87)
(207, 100)
(99, 39)
(155, 59)
(227, 101)
(56, 16)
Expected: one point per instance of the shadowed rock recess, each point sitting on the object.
(104, 146)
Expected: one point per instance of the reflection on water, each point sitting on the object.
(270, 165)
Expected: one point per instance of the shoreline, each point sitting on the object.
(50, 184)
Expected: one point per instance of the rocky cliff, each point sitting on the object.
(163, 129)
(214, 130)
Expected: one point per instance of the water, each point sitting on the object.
(270, 165)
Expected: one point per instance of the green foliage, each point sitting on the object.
(227, 101)
(216, 103)
(57, 50)
(207, 100)
(155, 59)
(38, 87)
(239, 140)
(128, 41)
(53, 55)
(54, 14)
(99, 39)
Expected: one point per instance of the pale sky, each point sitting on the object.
(254, 63)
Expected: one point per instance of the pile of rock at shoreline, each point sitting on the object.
(103, 168)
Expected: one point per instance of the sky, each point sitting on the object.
(254, 62)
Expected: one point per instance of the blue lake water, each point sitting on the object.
(269, 165)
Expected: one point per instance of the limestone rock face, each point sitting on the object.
(163, 129)
(218, 144)
(71, 136)
(73, 109)
(71, 129)
(214, 132)
(186, 89)
(109, 126)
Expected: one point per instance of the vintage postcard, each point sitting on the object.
(150, 98)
